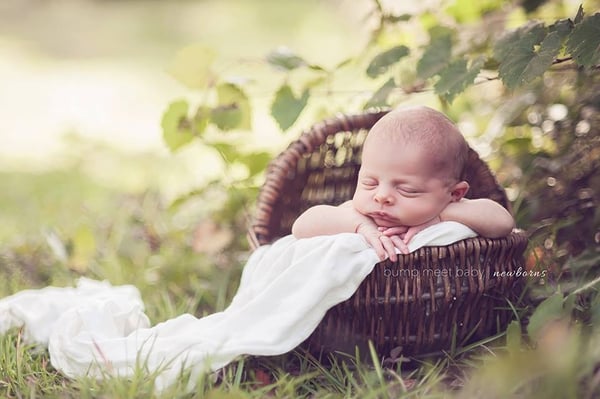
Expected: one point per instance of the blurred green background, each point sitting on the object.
(89, 186)
(84, 85)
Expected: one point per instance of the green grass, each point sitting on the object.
(61, 225)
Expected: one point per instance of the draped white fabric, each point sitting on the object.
(286, 288)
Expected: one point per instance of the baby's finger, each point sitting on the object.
(375, 242)
(401, 245)
(392, 231)
(389, 247)
(409, 235)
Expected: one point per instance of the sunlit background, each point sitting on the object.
(97, 69)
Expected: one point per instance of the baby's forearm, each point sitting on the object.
(326, 220)
(484, 216)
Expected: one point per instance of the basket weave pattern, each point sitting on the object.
(429, 300)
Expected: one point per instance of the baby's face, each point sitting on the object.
(397, 187)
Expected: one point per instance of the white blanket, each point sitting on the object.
(286, 288)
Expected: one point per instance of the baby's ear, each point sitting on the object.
(459, 190)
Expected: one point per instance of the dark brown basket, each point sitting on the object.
(433, 299)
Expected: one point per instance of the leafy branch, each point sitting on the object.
(518, 57)
(445, 65)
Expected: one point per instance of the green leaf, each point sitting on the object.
(256, 162)
(383, 61)
(286, 107)
(579, 16)
(227, 151)
(233, 110)
(284, 59)
(550, 309)
(526, 54)
(563, 27)
(513, 337)
(379, 98)
(456, 77)
(175, 126)
(584, 42)
(192, 66)
(436, 56)
(548, 50)
(201, 120)
(531, 34)
(545, 56)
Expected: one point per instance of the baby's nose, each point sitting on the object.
(383, 196)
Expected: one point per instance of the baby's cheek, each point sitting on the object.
(358, 202)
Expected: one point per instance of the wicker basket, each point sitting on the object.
(430, 300)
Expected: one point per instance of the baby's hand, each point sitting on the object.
(401, 235)
(381, 243)
(413, 230)
(396, 234)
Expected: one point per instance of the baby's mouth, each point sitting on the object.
(381, 215)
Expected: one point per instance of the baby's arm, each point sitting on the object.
(486, 217)
(327, 220)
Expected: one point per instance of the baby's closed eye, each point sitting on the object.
(368, 182)
(406, 190)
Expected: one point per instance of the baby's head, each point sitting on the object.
(443, 148)
(412, 167)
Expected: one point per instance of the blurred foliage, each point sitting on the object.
(520, 78)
